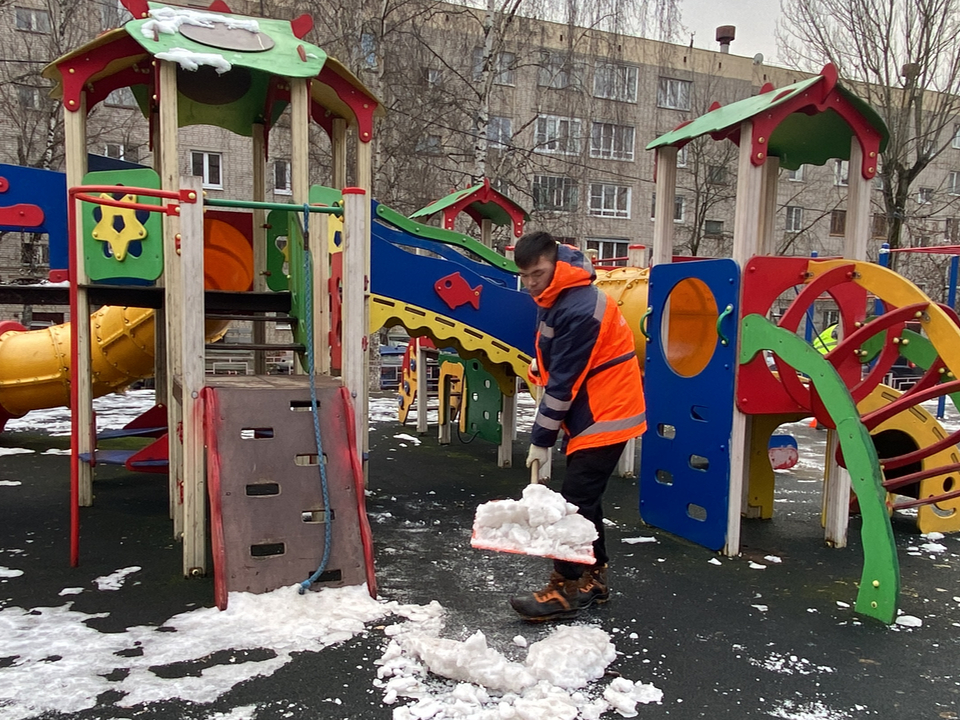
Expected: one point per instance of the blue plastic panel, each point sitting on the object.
(685, 464)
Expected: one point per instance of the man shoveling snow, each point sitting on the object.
(587, 364)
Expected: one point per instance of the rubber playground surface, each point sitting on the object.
(769, 634)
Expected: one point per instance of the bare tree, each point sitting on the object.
(903, 56)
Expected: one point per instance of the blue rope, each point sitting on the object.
(311, 371)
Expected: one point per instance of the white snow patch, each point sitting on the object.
(15, 451)
(167, 21)
(282, 620)
(6, 572)
(56, 451)
(70, 591)
(909, 621)
(933, 547)
(816, 710)
(757, 566)
(520, 641)
(933, 536)
(115, 580)
(542, 523)
(623, 695)
(641, 539)
(773, 559)
(761, 608)
(191, 60)
(714, 561)
(411, 438)
(790, 665)
(10, 483)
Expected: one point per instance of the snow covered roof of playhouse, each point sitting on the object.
(807, 123)
(232, 67)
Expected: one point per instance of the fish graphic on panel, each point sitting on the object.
(455, 291)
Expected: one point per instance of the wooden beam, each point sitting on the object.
(746, 243)
(365, 181)
(168, 167)
(627, 465)
(193, 362)
(508, 426)
(338, 149)
(663, 223)
(769, 184)
(356, 240)
(75, 145)
(259, 173)
(486, 232)
(857, 231)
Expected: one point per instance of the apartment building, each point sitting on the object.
(556, 116)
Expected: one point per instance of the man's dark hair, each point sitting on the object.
(533, 246)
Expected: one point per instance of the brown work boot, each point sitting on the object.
(593, 586)
(561, 599)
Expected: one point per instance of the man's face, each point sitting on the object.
(537, 277)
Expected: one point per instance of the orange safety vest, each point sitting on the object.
(587, 362)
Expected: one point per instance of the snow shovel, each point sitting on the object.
(541, 524)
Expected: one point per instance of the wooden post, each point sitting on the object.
(664, 207)
(338, 143)
(745, 244)
(423, 393)
(486, 232)
(627, 465)
(508, 425)
(75, 143)
(192, 380)
(769, 183)
(160, 384)
(365, 181)
(637, 256)
(444, 419)
(356, 239)
(836, 486)
(168, 169)
(259, 172)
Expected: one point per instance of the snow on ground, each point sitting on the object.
(113, 412)
(419, 670)
(541, 523)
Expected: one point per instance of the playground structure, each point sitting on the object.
(702, 330)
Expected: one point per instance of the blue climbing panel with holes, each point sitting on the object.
(691, 366)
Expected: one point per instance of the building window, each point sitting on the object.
(795, 175)
(878, 227)
(613, 142)
(794, 221)
(432, 76)
(281, 177)
(678, 205)
(429, 144)
(953, 184)
(121, 97)
(713, 228)
(556, 72)
(841, 172)
(554, 193)
(29, 97)
(615, 82)
(716, 175)
(838, 222)
(609, 200)
(674, 94)
(952, 231)
(32, 20)
(925, 195)
(610, 251)
(34, 255)
(115, 151)
(499, 131)
(557, 135)
(956, 136)
(207, 165)
(501, 65)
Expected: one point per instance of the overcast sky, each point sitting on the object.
(755, 21)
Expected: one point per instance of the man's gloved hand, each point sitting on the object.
(540, 455)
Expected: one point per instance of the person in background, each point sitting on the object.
(587, 364)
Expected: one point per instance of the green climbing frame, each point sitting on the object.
(880, 580)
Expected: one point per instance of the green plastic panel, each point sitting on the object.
(121, 244)
(277, 278)
(880, 579)
(483, 402)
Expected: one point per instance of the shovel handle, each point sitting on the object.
(535, 472)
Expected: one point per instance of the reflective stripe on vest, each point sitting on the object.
(613, 425)
(554, 404)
